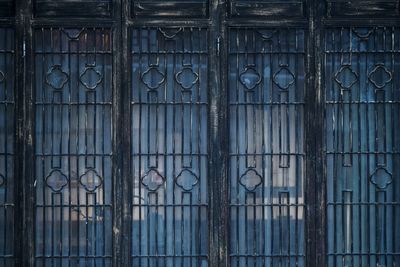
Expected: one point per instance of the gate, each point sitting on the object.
(199, 133)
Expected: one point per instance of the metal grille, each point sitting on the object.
(266, 177)
(73, 137)
(7, 130)
(169, 147)
(363, 145)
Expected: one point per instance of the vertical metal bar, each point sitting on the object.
(314, 122)
(218, 141)
(19, 128)
(124, 146)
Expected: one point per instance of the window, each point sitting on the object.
(199, 133)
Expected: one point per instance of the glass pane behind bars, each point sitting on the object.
(362, 84)
(7, 130)
(169, 147)
(266, 177)
(73, 136)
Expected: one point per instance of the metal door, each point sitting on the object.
(199, 133)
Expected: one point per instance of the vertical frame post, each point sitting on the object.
(314, 120)
(25, 129)
(218, 137)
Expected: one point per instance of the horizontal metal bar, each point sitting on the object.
(170, 256)
(7, 256)
(5, 205)
(355, 52)
(74, 257)
(267, 104)
(363, 203)
(74, 22)
(6, 154)
(165, 52)
(346, 22)
(169, 154)
(369, 253)
(73, 155)
(363, 153)
(264, 22)
(73, 104)
(166, 22)
(266, 154)
(169, 103)
(170, 205)
(80, 206)
(266, 52)
(89, 52)
(362, 102)
(267, 205)
(283, 255)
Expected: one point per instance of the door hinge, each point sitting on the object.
(219, 39)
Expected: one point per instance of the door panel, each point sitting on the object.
(72, 8)
(169, 114)
(73, 137)
(172, 8)
(266, 152)
(362, 145)
(267, 8)
(7, 146)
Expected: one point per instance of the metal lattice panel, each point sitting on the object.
(7, 130)
(363, 145)
(73, 136)
(266, 177)
(169, 107)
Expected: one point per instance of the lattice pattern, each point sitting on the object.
(7, 142)
(362, 96)
(266, 177)
(73, 136)
(169, 147)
